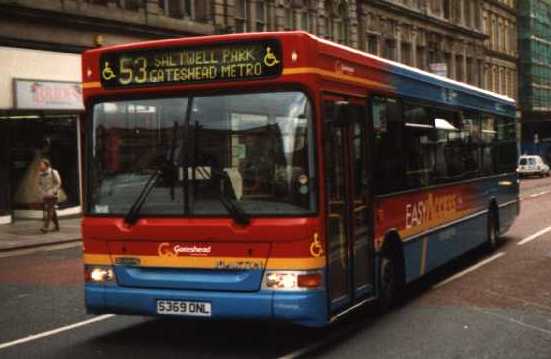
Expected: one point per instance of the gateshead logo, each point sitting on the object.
(167, 250)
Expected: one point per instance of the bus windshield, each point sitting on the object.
(255, 150)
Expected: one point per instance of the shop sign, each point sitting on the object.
(47, 95)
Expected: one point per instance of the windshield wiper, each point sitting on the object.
(235, 210)
(134, 213)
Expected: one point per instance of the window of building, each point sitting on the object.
(405, 53)
(178, 9)
(329, 25)
(132, 5)
(389, 49)
(448, 62)
(468, 13)
(480, 72)
(373, 44)
(270, 23)
(503, 75)
(311, 16)
(300, 20)
(420, 61)
(477, 14)
(241, 15)
(495, 77)
(435, 7)
(446, 8)
(289, 18)
(341, 25)
(457, 11)
(99, 2)
(470, 71)
(505, 39)
(260, 16)
(495, 34)
(459, 68)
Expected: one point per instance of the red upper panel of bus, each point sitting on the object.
(304, 58)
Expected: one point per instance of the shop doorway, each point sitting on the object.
(34, 137)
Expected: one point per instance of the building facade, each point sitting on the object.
(467, 40)
(500, 24)
(535, 76)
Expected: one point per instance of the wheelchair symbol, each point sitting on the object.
(108, 73)
(270, 59)
(316, 249)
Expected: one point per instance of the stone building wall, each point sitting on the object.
(467, 40)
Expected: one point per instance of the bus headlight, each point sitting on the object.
(98, 274)
(292, 280)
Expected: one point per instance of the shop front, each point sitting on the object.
(40, 120)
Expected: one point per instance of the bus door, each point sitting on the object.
(349, 211)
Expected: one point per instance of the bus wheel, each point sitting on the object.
(492, 232)
(391, 279)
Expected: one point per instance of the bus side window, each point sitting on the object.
(457, 145)
(488, 138)
(419, 146)
(506, 147)
(389, 155)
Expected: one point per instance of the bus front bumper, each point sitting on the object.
(308, 308)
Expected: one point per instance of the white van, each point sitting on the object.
(532, 165)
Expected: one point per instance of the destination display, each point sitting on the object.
(177, 65)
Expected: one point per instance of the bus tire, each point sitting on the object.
(492, 233)
(390, 278)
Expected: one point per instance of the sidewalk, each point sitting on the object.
(26, 233)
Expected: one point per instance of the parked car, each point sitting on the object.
(532, 165)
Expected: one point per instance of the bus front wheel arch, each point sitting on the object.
(391, 273)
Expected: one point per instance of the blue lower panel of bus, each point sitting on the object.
(507, 215)
(305, 308)
(425, 253)
(190, 279)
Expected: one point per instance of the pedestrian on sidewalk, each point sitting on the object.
(49, 184)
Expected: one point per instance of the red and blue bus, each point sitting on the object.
(281, 176)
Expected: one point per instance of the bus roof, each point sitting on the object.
(419, 74)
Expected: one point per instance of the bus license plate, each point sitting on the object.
(180, 307)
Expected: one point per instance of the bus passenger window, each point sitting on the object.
(419, 146)
(456, 145)
(488, 134)
(506, 147)
(389, 164)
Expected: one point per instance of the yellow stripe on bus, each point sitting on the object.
(300, 71)
(97, 259)
(334, 76)
(210, 262)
